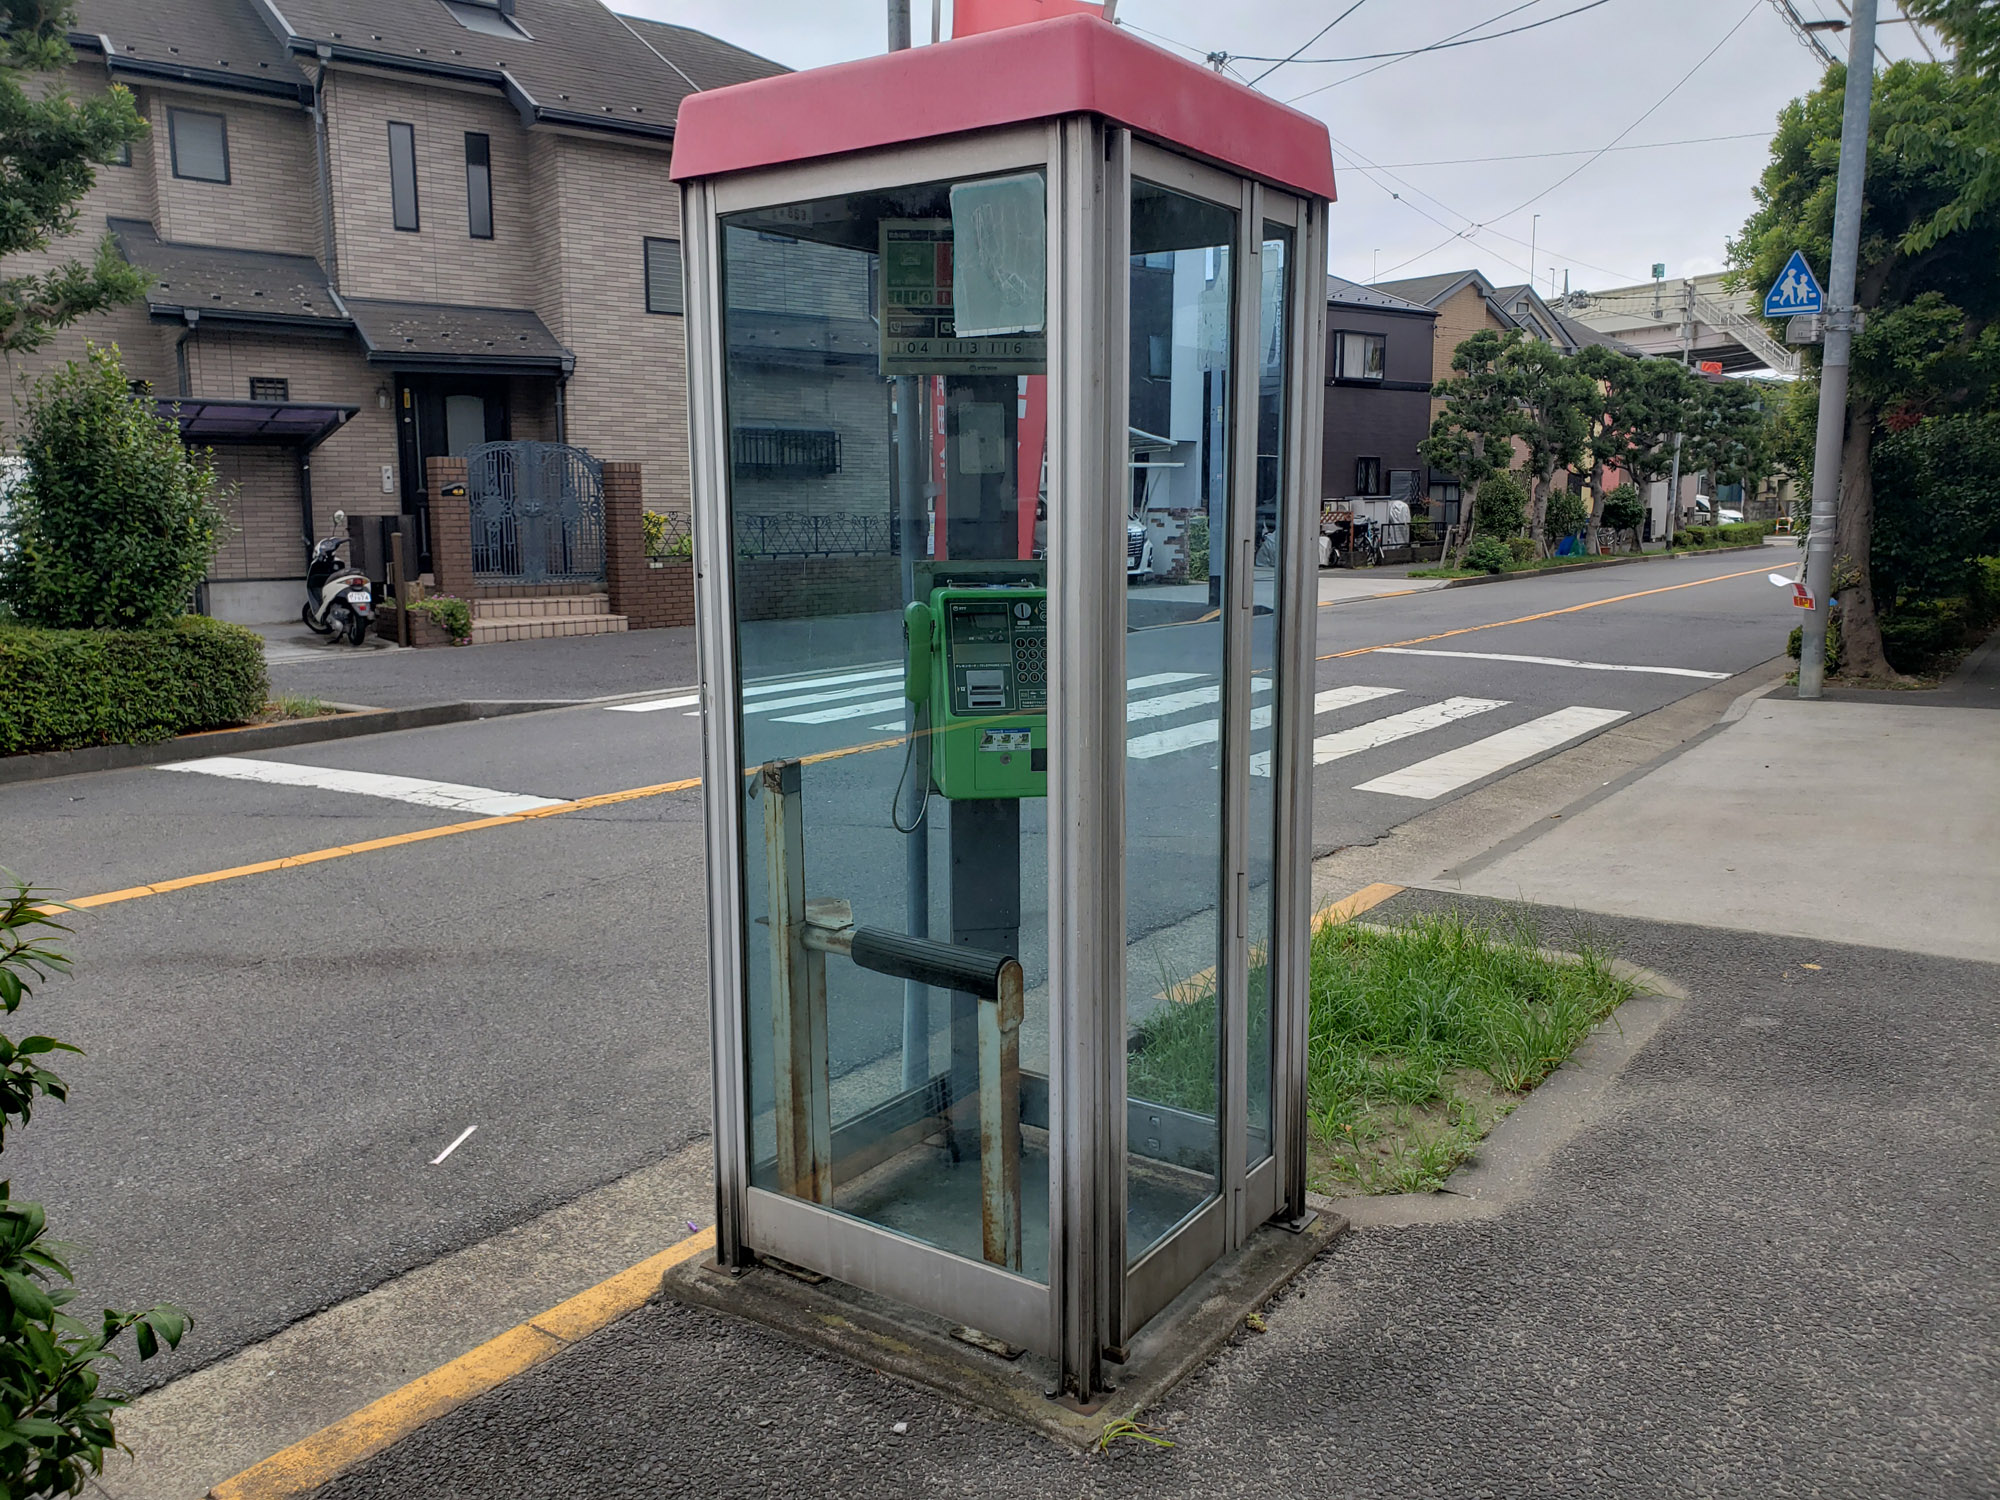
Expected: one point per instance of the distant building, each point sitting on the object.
(387, 230)
(1379, 362)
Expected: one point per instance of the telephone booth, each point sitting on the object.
(1004, 358)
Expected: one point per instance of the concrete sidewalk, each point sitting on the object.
(1760, 1262)
(1873, 821)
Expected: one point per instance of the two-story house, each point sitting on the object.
(387, 230)
(1378, 394)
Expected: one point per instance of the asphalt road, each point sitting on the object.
(274, 1060)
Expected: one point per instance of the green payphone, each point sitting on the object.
(979, 661)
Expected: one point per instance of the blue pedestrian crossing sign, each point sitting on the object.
(1796, 290)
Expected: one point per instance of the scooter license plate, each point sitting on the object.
(361, 601)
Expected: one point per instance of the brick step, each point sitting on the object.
(551, 607)
(487, 631)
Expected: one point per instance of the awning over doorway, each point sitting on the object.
(444, 337)
(299, 424)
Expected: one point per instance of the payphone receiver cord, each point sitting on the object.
(917, 733)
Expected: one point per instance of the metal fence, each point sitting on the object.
(537, 513)
(813, 536)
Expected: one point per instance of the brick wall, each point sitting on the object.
(650, 592)
(440, 262)
(451, 527)
(261, 495)
(629, 393)
(271, 201)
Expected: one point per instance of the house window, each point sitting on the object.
(663, 276)
(478, 186)
(786, 450)
(1159, 356)
(200, 145)
(488, 18)
(123, 158)
(403, 175)
(1367, 476)
(1358, 356)
(270, 388)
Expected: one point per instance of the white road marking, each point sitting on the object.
(843, 711)
(1347, 697)
(1469, 763)
(1554, 661)
(798, 684)
(651, 705)
(806, 700)
(446, 794)
(463, 1137)
(1157, 679)
(1186, 736)
(1178, 703)
(1379, 732)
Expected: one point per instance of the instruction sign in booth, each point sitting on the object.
(1008, 859)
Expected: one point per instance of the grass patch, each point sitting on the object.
(280, 709)
(1533, 565)
(1422, 1038)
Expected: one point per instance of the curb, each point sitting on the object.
(1602, 562)
(51, 763)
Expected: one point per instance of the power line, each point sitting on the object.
(1465, 31)
(1657, 105)
(1279, 63)
(1466, 161)
(1434, 46)
(1797, 24)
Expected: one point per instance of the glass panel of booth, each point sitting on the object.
(1274, 349)
(1181, 277)
(893, 681)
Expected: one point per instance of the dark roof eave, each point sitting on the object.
(299, 92)
(167, 312)
(477, 364)
(525, 104)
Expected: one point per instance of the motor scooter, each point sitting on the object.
(338, 599)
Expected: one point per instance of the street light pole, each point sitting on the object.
(899, 25)
(1840, 320)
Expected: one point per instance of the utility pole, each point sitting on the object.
(899, 25)
(1840, 321)
(1687, 348)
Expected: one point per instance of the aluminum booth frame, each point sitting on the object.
(1093, 1303)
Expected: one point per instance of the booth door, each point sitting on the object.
(1209, 308)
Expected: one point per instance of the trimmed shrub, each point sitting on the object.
(1489, 554)
(1623, 509)
(117, 521)
(1521, 549)
(1501, 506)
(452, 615)
(1566, 515)
(63, 689)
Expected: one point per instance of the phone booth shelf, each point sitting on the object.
(1008, 845)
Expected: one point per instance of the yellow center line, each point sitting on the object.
(421, 835)
(1547, 614)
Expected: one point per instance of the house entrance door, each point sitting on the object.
(443, 416)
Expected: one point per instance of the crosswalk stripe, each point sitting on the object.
(843, 711)
(797, 684)
(1554, 661)
(446, 794)
(806, 700)
(1347, 697)
(1456, 768)
(1379, 732)
(1179, 703)
(1186, 736)
(652, 705)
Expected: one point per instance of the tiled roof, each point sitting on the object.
(223, 42)
(238, 285)
(1353, 294)
(445, 335)
(577, 64)
(705, 61)
(1429, 290)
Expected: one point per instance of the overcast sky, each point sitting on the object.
(1572, 86)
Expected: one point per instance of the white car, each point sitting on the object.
(1729, 517)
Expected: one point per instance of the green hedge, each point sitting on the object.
(61, 689)
(1731, 534)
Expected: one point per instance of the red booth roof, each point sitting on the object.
(1072, 65)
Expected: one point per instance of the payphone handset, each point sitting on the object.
(978, 660)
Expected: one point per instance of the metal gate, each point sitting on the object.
(537, 513)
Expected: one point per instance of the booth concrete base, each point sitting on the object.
(873, 1331)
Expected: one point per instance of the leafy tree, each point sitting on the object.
(1939, 489)
(1728, 435)
(1623, 510)
(55, 1419)
(1929, 275)
(1473, 436)
(117, 521)
(50, 145)
(1566, 515)
(1973, 29)
(1558, 405)
(1643, 403)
